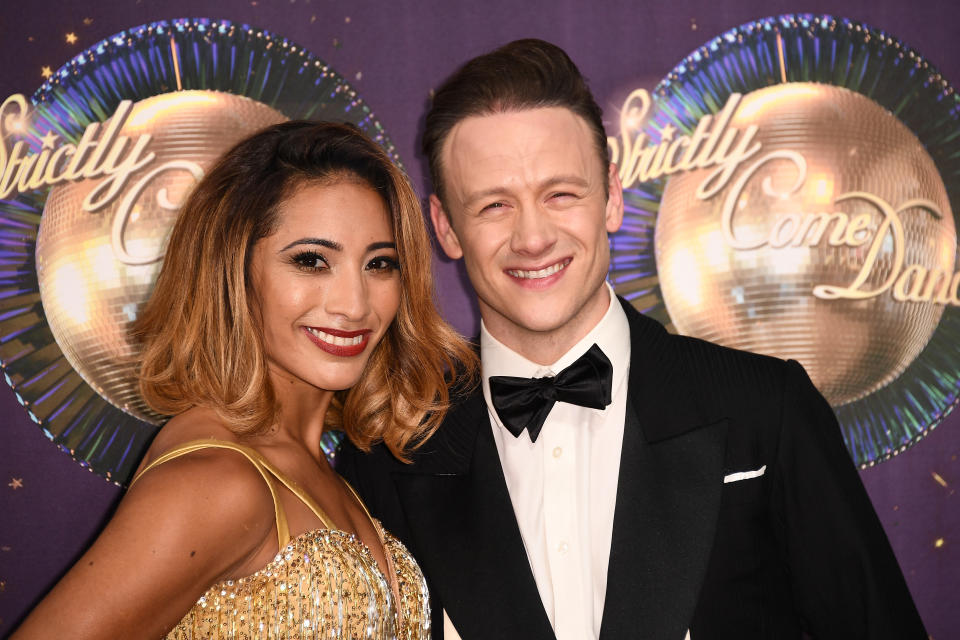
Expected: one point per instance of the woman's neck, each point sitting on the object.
(303, 409)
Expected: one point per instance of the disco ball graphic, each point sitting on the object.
(745, 279)
(868, 115)
(97, 270)
(73, 280)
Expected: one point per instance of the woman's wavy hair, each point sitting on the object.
(202, 343)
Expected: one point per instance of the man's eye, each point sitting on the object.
(493, 206)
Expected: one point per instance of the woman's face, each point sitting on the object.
(327, 283)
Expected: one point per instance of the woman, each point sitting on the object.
(295, 296)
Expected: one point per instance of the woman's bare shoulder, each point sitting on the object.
(182, 526)
(198, 423)
(221, 483)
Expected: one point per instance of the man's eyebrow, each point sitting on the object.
(321, 242)
(575, 179)
(552, 181)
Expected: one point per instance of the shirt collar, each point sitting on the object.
(611, 334)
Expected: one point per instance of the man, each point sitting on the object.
(608, 479)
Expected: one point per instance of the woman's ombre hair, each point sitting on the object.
(201, 339)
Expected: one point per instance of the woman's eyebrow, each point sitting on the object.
(329, 244)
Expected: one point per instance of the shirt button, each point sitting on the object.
(557, 452)
(562, 548)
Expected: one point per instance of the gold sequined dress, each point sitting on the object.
(322, 584)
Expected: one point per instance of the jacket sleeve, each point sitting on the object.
(845, 579)
(370, 474)
(350, 463)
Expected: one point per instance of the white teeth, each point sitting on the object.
(540, 273)
(336, 340)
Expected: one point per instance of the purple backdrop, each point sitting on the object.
(393, 55)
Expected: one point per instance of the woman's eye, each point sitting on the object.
(310, 261)
(383, 264)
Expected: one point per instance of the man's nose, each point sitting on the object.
(534, 231)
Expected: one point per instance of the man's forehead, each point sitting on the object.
(503, 142)
(560, 121)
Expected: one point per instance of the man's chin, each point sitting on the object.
(543, 320)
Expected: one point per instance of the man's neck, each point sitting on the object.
(543, 347)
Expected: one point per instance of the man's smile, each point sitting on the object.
(536, 274)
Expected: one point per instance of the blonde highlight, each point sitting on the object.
(205, 347)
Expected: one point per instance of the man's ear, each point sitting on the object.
(446, 236)
(614, 212)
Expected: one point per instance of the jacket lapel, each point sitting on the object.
(668, 495)
(461, 518)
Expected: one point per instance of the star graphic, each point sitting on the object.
(15, 483)
(46, 71)
(88, 21)
(3, 585)
(71, 38)
(48, 140)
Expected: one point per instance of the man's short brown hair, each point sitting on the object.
(521, 75)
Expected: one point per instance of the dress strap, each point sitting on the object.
(362, 504)
(381, 534)
(283, 530)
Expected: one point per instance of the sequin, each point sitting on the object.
(324, 584)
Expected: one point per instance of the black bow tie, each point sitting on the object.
(523, 403)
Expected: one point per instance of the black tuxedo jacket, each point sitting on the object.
(798, 547)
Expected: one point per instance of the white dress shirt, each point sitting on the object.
(564, 486)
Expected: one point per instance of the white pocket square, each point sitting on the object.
(744, 475)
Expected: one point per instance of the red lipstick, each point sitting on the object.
(341, 350)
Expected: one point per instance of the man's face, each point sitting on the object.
(526, 208)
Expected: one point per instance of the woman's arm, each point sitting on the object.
(183, 526)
